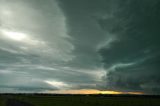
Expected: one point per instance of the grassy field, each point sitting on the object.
(71, 100)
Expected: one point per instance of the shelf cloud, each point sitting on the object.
(51, 45)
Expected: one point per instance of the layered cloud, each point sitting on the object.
(33, 37)
(133, 60)
(124, 35)
(79, 44)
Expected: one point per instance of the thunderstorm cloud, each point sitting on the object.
(50, 45)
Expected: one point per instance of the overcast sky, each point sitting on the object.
(48, 45)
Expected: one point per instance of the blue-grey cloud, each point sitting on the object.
(79, 44)
(133, 60)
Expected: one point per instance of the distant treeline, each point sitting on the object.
(98, 95)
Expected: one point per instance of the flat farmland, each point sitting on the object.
(78, 100)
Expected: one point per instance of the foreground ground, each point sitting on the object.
(78, 100)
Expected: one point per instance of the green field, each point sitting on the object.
(71, 100)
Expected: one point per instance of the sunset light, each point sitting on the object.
(91, 91)
(80, 52)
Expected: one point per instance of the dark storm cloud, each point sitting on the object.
(133, 59)
(84, 29)
(79, 44)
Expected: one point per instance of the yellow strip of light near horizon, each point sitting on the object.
(92, 91)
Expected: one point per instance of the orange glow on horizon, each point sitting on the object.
(91, 91)
(110, 92)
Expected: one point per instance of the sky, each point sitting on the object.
(63, 46)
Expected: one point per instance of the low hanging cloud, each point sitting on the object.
(79, 44)
(32, 35)
(121, 36)
(133, 59)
